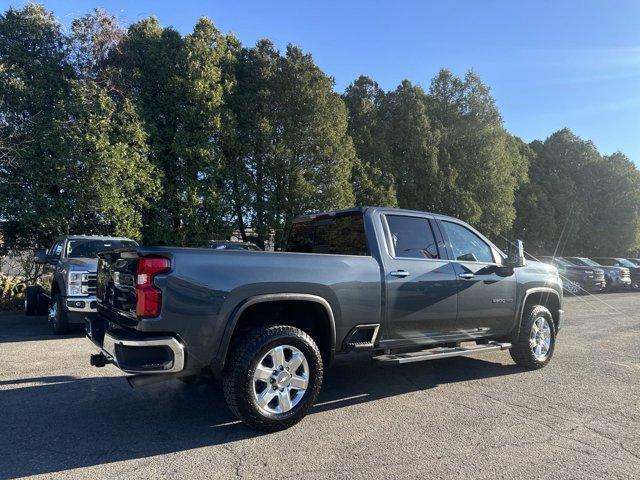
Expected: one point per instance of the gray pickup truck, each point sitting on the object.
(67, 289)
(405, 286)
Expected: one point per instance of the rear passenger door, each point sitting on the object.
(486, 289)
(420, 283)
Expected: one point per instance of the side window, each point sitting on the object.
(467, 246)
(412, 237)
(56, 250)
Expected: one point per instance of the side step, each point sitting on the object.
(362, 337)
(439, 352)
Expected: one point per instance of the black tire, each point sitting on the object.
(59, 321)
(238, 382)
(608, 285)
(32, 300)
(522, 352)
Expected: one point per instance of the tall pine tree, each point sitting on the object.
(373, 182)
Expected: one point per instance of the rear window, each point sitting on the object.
(88, 248)
(341, 234)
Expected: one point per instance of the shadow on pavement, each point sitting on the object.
(15, 327)
(63, 422)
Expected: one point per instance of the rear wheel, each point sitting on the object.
(33, 300)
(273, 377)
(58, 316)
(536, 342)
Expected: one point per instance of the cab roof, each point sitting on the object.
(363, 209)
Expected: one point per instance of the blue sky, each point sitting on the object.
(550, 64)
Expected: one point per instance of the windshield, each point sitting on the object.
(77, 248)
(563, 262)
(579, 262)
(626, 263)
(586, 262)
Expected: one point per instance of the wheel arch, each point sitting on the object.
(242, 316)
(546, 296)
(57, 286)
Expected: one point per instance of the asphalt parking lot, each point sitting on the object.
(479, 417)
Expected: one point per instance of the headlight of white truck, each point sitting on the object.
(75, 282)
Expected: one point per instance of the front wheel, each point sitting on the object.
(573, 288)
(273, 377)
(58, 316)
(534, 347)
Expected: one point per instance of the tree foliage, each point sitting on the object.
(179, 139)
(482, 163)
(79, 156)
(177, 86)
(290, 151)
(373, 182)
(589, 204)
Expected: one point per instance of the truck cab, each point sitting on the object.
(67, 291)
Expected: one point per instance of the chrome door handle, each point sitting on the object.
(468, 276)
(399, 273)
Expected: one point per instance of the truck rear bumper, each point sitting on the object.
(138, 354)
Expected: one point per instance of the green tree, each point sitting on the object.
(373, 182)
(251, 149)
(482, 164)
(410, 147)
(615, 220)
(556, 209)
(177, 86)
(111, 179)
(314, 154)
(79, 162)
(291, 150)
(35, 92)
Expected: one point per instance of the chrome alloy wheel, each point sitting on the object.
(280, 379)
(540, 339)
(573, 288)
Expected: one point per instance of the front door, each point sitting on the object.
(486, 289)
(421, 284)
(49, 268)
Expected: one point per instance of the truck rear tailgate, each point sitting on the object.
(116, 281)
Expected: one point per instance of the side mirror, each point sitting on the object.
(516, 259)
(40, 256)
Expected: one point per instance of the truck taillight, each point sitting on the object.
(149, 297)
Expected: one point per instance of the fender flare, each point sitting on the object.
(267, 298)
(59, 281)
(526, 295)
